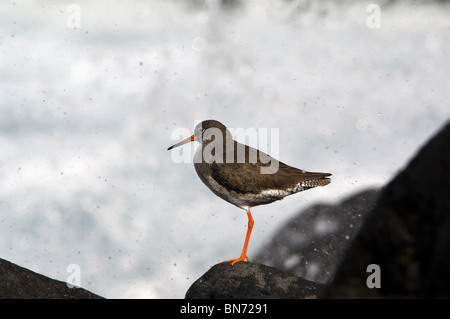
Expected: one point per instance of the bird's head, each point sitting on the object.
(204, 132)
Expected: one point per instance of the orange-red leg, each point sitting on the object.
(247, 239)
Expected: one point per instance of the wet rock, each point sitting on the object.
(246, 280)
(21, 283)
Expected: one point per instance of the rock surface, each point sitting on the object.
(18, 282)
(250, 281)
(408, 233)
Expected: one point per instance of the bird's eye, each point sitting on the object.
(200, 129)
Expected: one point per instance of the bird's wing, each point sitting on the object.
(264, 174)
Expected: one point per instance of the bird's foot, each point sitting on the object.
(235, 260)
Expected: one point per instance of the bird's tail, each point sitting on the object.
(321, 180)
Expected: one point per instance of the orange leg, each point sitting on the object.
(247, 239)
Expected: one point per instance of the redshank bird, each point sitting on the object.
(245, 179)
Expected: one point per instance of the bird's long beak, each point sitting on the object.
(187, 140)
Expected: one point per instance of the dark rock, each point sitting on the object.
(250, 281)
(407, 234)
(312, 243)
(21, 283)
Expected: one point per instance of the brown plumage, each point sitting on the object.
(242, 175)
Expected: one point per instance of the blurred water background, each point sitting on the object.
(92, 91)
